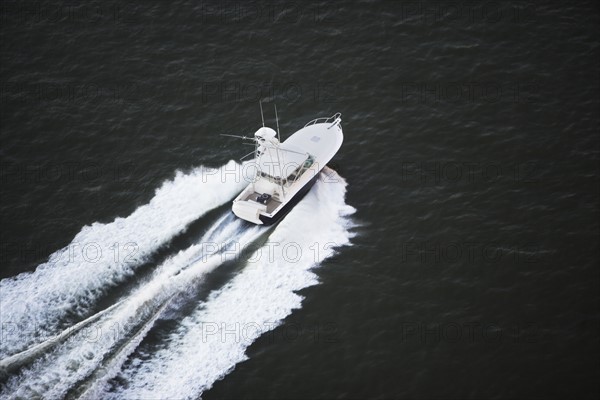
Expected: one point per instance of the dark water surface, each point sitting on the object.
(470, 155)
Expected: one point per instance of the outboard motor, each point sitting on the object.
(263, 198)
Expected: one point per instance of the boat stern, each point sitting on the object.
(249, 210)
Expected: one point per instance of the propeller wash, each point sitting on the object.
(77, 329)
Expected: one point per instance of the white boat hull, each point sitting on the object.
(321, 140)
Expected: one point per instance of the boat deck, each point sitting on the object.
(272, 204)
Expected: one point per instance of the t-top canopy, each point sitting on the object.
(281, 161)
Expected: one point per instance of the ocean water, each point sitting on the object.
(449, 250)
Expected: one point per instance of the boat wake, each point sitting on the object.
(35, 306)
(199, 349)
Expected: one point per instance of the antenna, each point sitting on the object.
(261, 113)
(277, 119)
(237, 136)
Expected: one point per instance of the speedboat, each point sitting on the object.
(285, 171)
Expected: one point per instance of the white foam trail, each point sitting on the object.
(79, 356)
(213, 339)
(15, 361)
(33, 306)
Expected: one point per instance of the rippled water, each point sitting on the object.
(464, 217)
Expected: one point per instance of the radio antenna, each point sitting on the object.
(261, 113)
(277, 119)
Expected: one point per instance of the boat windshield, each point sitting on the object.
(300, 170)
(274, 179)
(291, 178)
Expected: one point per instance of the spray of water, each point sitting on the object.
(34, 306)
(201, 349)
(212, 340)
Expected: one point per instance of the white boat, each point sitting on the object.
(285, 171)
